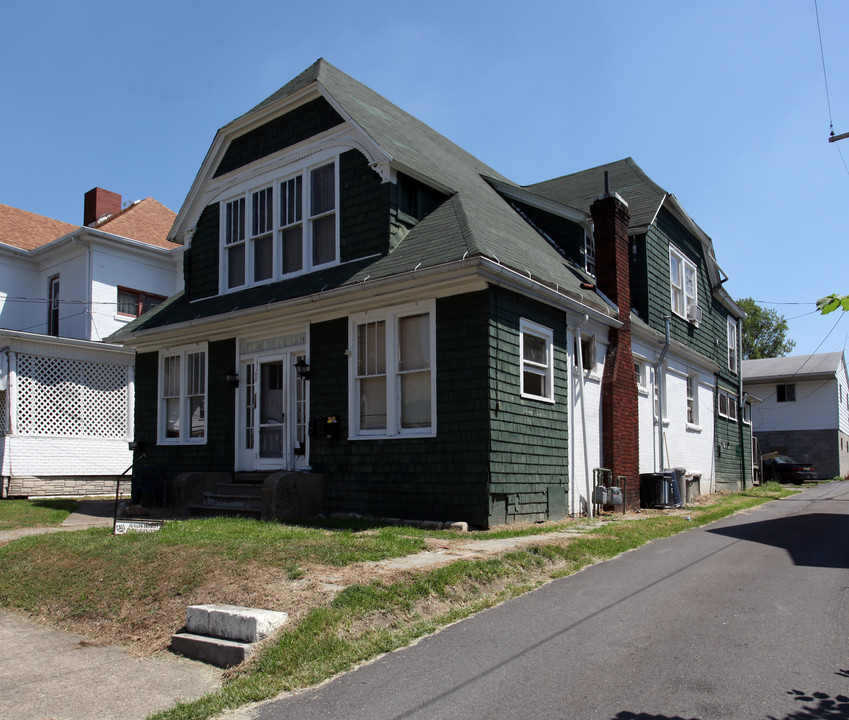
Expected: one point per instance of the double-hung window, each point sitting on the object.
(692, 399)
(683, 284)
(286, 226)
(393, 380)
(732, 345)
(182, 395)
(785, 393)
(537, 361)
(727, 405)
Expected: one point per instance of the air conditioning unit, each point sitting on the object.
(694, 314)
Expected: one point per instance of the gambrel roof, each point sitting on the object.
(475, 222)
(645, 200)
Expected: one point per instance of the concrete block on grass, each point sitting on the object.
(230, 622)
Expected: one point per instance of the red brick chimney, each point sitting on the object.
(98, 203)
(619, 409)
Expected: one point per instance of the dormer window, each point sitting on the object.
(683, 284)
(285, 227)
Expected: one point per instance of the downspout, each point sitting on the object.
(579, 350)
(740, 402)
(658, 368)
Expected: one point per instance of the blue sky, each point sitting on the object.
(722, 103)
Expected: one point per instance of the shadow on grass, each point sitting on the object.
(66, 504)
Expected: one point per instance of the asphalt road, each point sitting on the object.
(745, 618)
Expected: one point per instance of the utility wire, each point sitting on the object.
(824, 75)
(827, 94)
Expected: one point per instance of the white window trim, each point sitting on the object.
(687, 307)
(393, 429)
(527, 327)
(274, 178)
(641, 370)
(733, 344)
(185, 416)
(693, 385)
(731, 402)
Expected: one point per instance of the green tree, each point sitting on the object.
(764, 332)
(831, 302)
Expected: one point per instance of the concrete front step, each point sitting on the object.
(225, 635)
(215, 498)
(244, 489)
(215, 651)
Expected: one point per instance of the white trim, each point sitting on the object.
(182, 395)
(684, 306)
(392, 374)
(545, 370)
(273, 177)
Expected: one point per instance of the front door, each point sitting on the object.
(273, 415)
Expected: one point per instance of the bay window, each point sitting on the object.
(182, 395)
(392, 373)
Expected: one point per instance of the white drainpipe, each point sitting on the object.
(588, 482)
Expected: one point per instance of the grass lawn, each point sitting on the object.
(33, 513)
(343, 610)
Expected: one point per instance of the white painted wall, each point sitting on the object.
(684, 444)
(71, 265)
(816, 406)
(585, 452)
(19, 279)
(114, 265)
(64, 456)
(843, 398)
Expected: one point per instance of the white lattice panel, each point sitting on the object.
(58, 396)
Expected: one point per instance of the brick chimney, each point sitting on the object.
(619, 409)
(98, 203)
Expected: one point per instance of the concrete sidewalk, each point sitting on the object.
(60, 676)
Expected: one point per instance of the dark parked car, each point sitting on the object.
(783, 468)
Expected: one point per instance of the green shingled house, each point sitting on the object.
(370, 307)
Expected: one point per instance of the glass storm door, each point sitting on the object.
(274, 415)
(271, 413)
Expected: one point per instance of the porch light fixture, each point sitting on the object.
(232, 379)
(302, 369)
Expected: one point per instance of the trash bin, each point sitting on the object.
(681, 481)
(659, 490)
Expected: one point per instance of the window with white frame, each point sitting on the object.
(732, 345)
(747, 413)
(288, 225)
(182, 395)
(537, 361)
(727, 405)
(53, 306)
(660, 399)
(683, 283)
(640, 375)
(692, 399)
(392, 368)
(589, 253)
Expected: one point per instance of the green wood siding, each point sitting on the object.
(529, 437)
(440, 478)
(364, 208)
(218, 453)
(293, 127)
(568, 236)
(200, 261)
(651, 299)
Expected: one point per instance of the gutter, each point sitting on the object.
(489, 270)
(658, 369)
